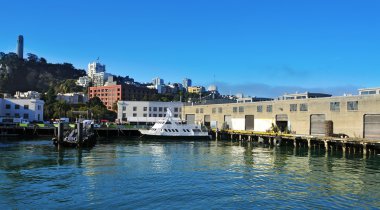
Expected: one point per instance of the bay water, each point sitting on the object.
(134, 174)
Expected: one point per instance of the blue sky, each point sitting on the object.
(260, 48)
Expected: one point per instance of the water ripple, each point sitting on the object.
(126, 174)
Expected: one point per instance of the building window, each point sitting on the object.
(150, 109)
(135, 108)
(26, 106)
(352, 105)
(197, 110)
(369, 92)
(160, 109)
(213, 110)
(234, 109)
(335, 106)
(241, 108)
(124, 108)
(220, 109)
(135, 114)
(293, 107)
(175, 109)
(145, 108)
(259, 108)
(159, 115)
(7, 106)
(201, 110)
(150, 115)
(26, 116)
(269, 108)
(154, 115)
(165, 109)
(17, 115)
(303, 107)
(155, 109)
(124, 115)
(175, 115)
(17, 106)
(144, 115)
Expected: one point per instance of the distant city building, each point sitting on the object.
(369, 91)
(83, 81)
(113, 93)
(27, 95)
(110, 81)
(303, 96)
(73, 98)
(186, 83)
(28, 109)
(146, 112)
(195, 89)
(157, 81)
(174, 88)
(20, 47)
(99, 79)
(94, 68)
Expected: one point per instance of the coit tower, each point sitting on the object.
(20, 47)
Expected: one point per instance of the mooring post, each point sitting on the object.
(60, 133)
(364, 149)
(326, 145)
(344, 148)
(80, 133)
(216, 134)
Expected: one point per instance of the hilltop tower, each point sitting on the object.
(20, 47)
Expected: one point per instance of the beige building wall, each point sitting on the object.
(349, 122)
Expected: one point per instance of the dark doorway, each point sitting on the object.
(282, 122)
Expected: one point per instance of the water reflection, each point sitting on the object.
(215, 174)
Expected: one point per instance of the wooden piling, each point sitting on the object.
(80, 134)
(326, 145)
(60, 133)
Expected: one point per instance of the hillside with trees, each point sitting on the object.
(33, 73)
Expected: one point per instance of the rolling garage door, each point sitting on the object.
(372, 126)
(190, 119)
(207, 120)
(282, 117)
(228, 121)
(249, 122)
(317, 124)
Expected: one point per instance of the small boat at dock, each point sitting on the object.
(174, 128)
(81, 136)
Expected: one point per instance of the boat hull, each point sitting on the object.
(88, 142)
(166, 137)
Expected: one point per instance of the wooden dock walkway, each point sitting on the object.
(364, 146)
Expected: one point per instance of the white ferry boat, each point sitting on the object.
(173, 128)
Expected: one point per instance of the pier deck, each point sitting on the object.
(328, 143)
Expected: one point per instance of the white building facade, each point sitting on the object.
(73, 98)
(28, 109)
(146, 112)
(83, 81)
(94, 68)
(28, 95)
